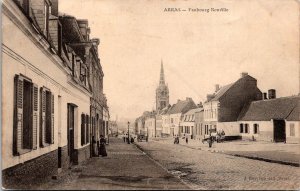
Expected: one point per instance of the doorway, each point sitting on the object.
(71, 150)
(279, 131)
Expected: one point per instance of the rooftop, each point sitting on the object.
(265, 110)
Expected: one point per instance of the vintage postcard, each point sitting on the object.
(150, 94)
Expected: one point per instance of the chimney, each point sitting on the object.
(209, 97)
(217, 87)
(243, 74)
(264, 96)
(188, 99)
(85, 30)
(54, 7)
(272, 93)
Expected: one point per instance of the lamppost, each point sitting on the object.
(128, 133)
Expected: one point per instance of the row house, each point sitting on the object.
(140, 127)
(150, 124)
(187, 124)
(165, 121)
(176, 112)
(48, 90)
(222, 108)
(275, 120)
(199, 131)
(75, 34)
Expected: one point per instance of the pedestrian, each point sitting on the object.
(102, 150)
(186, 140)
(210, 141)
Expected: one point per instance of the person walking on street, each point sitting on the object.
(186, 140)
(102, 149)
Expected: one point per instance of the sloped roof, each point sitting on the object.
(295, 114)
(265, 110)
(224, 89)
(221, 92)
(193, 111)
(182, 106)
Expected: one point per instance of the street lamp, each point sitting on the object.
(128, 133)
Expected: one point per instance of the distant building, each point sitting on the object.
(150, 124)
(187, 124)
(199, 124)
(176, 112)
(276, 120)
(222, 108)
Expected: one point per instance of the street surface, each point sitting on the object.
(207, 170)
(125, 167)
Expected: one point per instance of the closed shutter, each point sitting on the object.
(34, 115)
(82, 129)
(87, 129)
(43, 118)
(18, 117)
(52, 118)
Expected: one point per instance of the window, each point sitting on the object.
(87, 122)
(292, 129)
(246, 128)
(25, 115)
(255, 128)
(85, 131)
(47, 117)
(171, 120)
(241, 128)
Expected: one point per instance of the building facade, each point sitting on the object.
(200, 132)
(48, 91)
(275, 120)
(221, 110)
(176, 112)
(187, 124)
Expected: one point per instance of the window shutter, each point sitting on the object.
(82, 129)
(43, 118)
(87, 129)
(18, 117)
(34, 115)
(52, 118)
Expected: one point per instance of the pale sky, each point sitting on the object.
(198, 49)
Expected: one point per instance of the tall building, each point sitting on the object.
(162, 91)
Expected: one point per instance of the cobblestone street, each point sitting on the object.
(126, 167)
(206, 170)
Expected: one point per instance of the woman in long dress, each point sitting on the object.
(102, 150)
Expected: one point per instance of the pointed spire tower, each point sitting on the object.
(162, 75)
(162, 91)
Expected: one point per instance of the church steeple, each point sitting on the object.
(162, 75)
(162, 91)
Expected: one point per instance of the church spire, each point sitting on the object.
(162, 75)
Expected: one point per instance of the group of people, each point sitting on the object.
(127, 139)
(218, 136)
(99, 147)
(176, 140)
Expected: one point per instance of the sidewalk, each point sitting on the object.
(271, 152)
(125, 168)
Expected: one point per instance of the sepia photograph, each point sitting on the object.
(150, 94)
